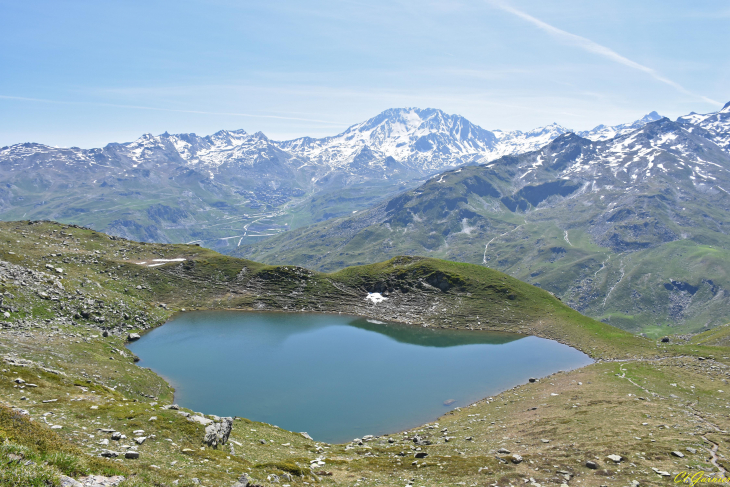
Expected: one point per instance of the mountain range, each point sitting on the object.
(232, 187)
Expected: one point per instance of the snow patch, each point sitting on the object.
(375, 298)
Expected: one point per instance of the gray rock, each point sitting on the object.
(532, 379)
(691, 450)
(421, 454)
(69, 482)
(201, 419)
(306, 435)
(218, 433)
(132, 455)
(109, 454)
(133, 336)
(516, 458)
(504, 451)
(116, 436)
(678, 454)
(243, 481)
(591, 464)
(615, 458)
(140, 439)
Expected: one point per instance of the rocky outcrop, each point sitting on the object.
(218, 432)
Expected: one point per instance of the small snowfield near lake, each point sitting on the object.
(375, 298)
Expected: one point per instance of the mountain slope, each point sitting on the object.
(632, 230)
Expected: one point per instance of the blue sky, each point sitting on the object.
(84, 73)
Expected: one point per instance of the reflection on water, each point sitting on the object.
(336, 376)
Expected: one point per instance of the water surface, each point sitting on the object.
(338, 377)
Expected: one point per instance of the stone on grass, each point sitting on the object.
(218, 433)
(243, 481)
(591, 464)
(678, 454)
(504, 451)
(132, 455)
(421, 454)
(133, 336)
(615, 458)
(516, 458)
(69, 482)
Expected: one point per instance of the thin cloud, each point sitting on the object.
(595, 48)
(138, 107)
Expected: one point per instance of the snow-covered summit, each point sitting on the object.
(518, 142)
(716, 123)
(604, 132)
(425, 140)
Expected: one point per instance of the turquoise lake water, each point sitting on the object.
(338, 377)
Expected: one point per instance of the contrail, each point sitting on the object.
(138, 107)
(594, 47)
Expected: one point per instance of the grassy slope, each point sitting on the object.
(420, 291)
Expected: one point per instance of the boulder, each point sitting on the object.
(69, 482)
(132, 455)
(421, 454)
(678, 454)
(592, 465)
(516, 459)
(218, 433)
(133, 336)
(615, 458)
(243, 481)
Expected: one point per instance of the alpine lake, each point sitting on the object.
(338, 377)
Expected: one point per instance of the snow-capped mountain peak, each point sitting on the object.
(716, 123)
(604, 132)
(423, 139)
